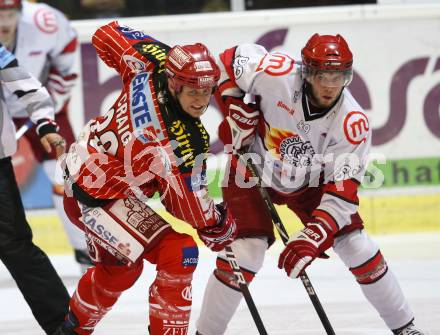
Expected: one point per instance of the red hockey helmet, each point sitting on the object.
(193, 66)
(327, 53)
(10, 4)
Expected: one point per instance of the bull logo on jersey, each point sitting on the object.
(289, 147)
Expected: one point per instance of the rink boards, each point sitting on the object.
(382, 214)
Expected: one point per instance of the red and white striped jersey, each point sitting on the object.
(45, 42)
(300, 149)
(145, 143)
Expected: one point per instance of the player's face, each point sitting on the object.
(194, 101)
(326, 87)
(8, 25)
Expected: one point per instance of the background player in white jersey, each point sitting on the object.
(44, 42)
(313, 138)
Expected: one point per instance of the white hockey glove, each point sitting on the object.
(60, 88)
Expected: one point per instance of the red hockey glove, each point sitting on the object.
(60, 88)
(240, 124)
(303, 247)
(222, 234)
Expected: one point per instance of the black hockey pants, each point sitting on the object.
(30, 267)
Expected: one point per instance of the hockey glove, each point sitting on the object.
(303, 247)
(60, 88)
(240, 124)
(223, 233)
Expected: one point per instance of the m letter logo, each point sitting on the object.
(356, 127)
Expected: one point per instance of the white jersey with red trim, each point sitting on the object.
(301, 149)
(45, 42)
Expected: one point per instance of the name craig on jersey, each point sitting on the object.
(122, 120)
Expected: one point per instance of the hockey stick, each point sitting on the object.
(23, 129)
(285, 238)
(245, 290)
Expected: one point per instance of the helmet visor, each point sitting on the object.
(327, 78)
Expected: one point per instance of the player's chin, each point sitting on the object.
(197, 112)
(326, 102)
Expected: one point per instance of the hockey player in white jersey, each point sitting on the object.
(313, 138)
(44, 42)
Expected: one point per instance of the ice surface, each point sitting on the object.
(283, 303)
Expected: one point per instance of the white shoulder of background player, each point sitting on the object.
(47, 25)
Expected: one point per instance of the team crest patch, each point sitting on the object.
(296, 152)
(289, 147)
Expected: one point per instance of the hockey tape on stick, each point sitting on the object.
(23, 129)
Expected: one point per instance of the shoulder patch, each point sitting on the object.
(135, 64)
(132, 34)
(238, 66)
(356, 127)
(46, 20)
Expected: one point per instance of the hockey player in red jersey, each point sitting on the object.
(313, 138)
(45, 43)
(151, 140)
